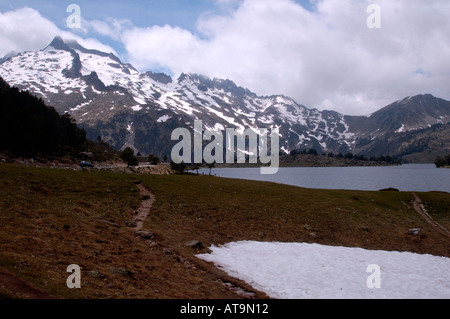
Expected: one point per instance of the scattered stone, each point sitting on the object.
(194, 244)
(131, 224)
(121, 271)
(109, 223)
(95, 274)
(415, 232)
(89, 155)
(145, 234)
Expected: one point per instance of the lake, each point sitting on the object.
(411, 177)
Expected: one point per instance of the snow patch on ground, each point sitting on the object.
(312, 271)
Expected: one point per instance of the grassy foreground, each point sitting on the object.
(53, 218)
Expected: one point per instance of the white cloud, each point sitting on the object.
(112, 28)
(25, 29)
(327, 58)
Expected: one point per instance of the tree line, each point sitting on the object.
(442, 161)
(29, 128)
(349, 155)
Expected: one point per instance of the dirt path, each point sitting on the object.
(144, 209)
(418, 205)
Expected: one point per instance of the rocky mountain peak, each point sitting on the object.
(58, 44)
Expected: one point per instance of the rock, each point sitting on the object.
(314, 235)
(194, 244)
(131, 224)
(415, 232)
(145, 234)
(109, 223)
(89, 155)
(121, 271)
(95, 274)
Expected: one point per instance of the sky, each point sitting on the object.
(342, 55)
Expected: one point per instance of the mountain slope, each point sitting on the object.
(128, 108)
(411, 113)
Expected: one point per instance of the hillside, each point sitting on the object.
(31, 129)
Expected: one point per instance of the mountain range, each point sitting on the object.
(128, 108)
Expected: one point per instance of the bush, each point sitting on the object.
(441, 162)
(128, 156)
(177, 167)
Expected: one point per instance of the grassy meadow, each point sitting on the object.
(52, 218)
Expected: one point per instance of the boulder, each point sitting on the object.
(145, 234)
(415, 232)
(121, 271)
(95, 274)
(196, 244)
(131, 224)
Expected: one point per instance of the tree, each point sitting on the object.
(211, 166)
(196, 167)
(179, 168)
(153, 160)
(441, 161)
(30, 128)
(128, 156)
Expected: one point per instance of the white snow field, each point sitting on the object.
(312, 271)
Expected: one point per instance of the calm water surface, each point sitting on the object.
(411, 177)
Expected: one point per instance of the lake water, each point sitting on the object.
(411, 177)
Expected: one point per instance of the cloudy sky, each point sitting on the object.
(319, 52)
